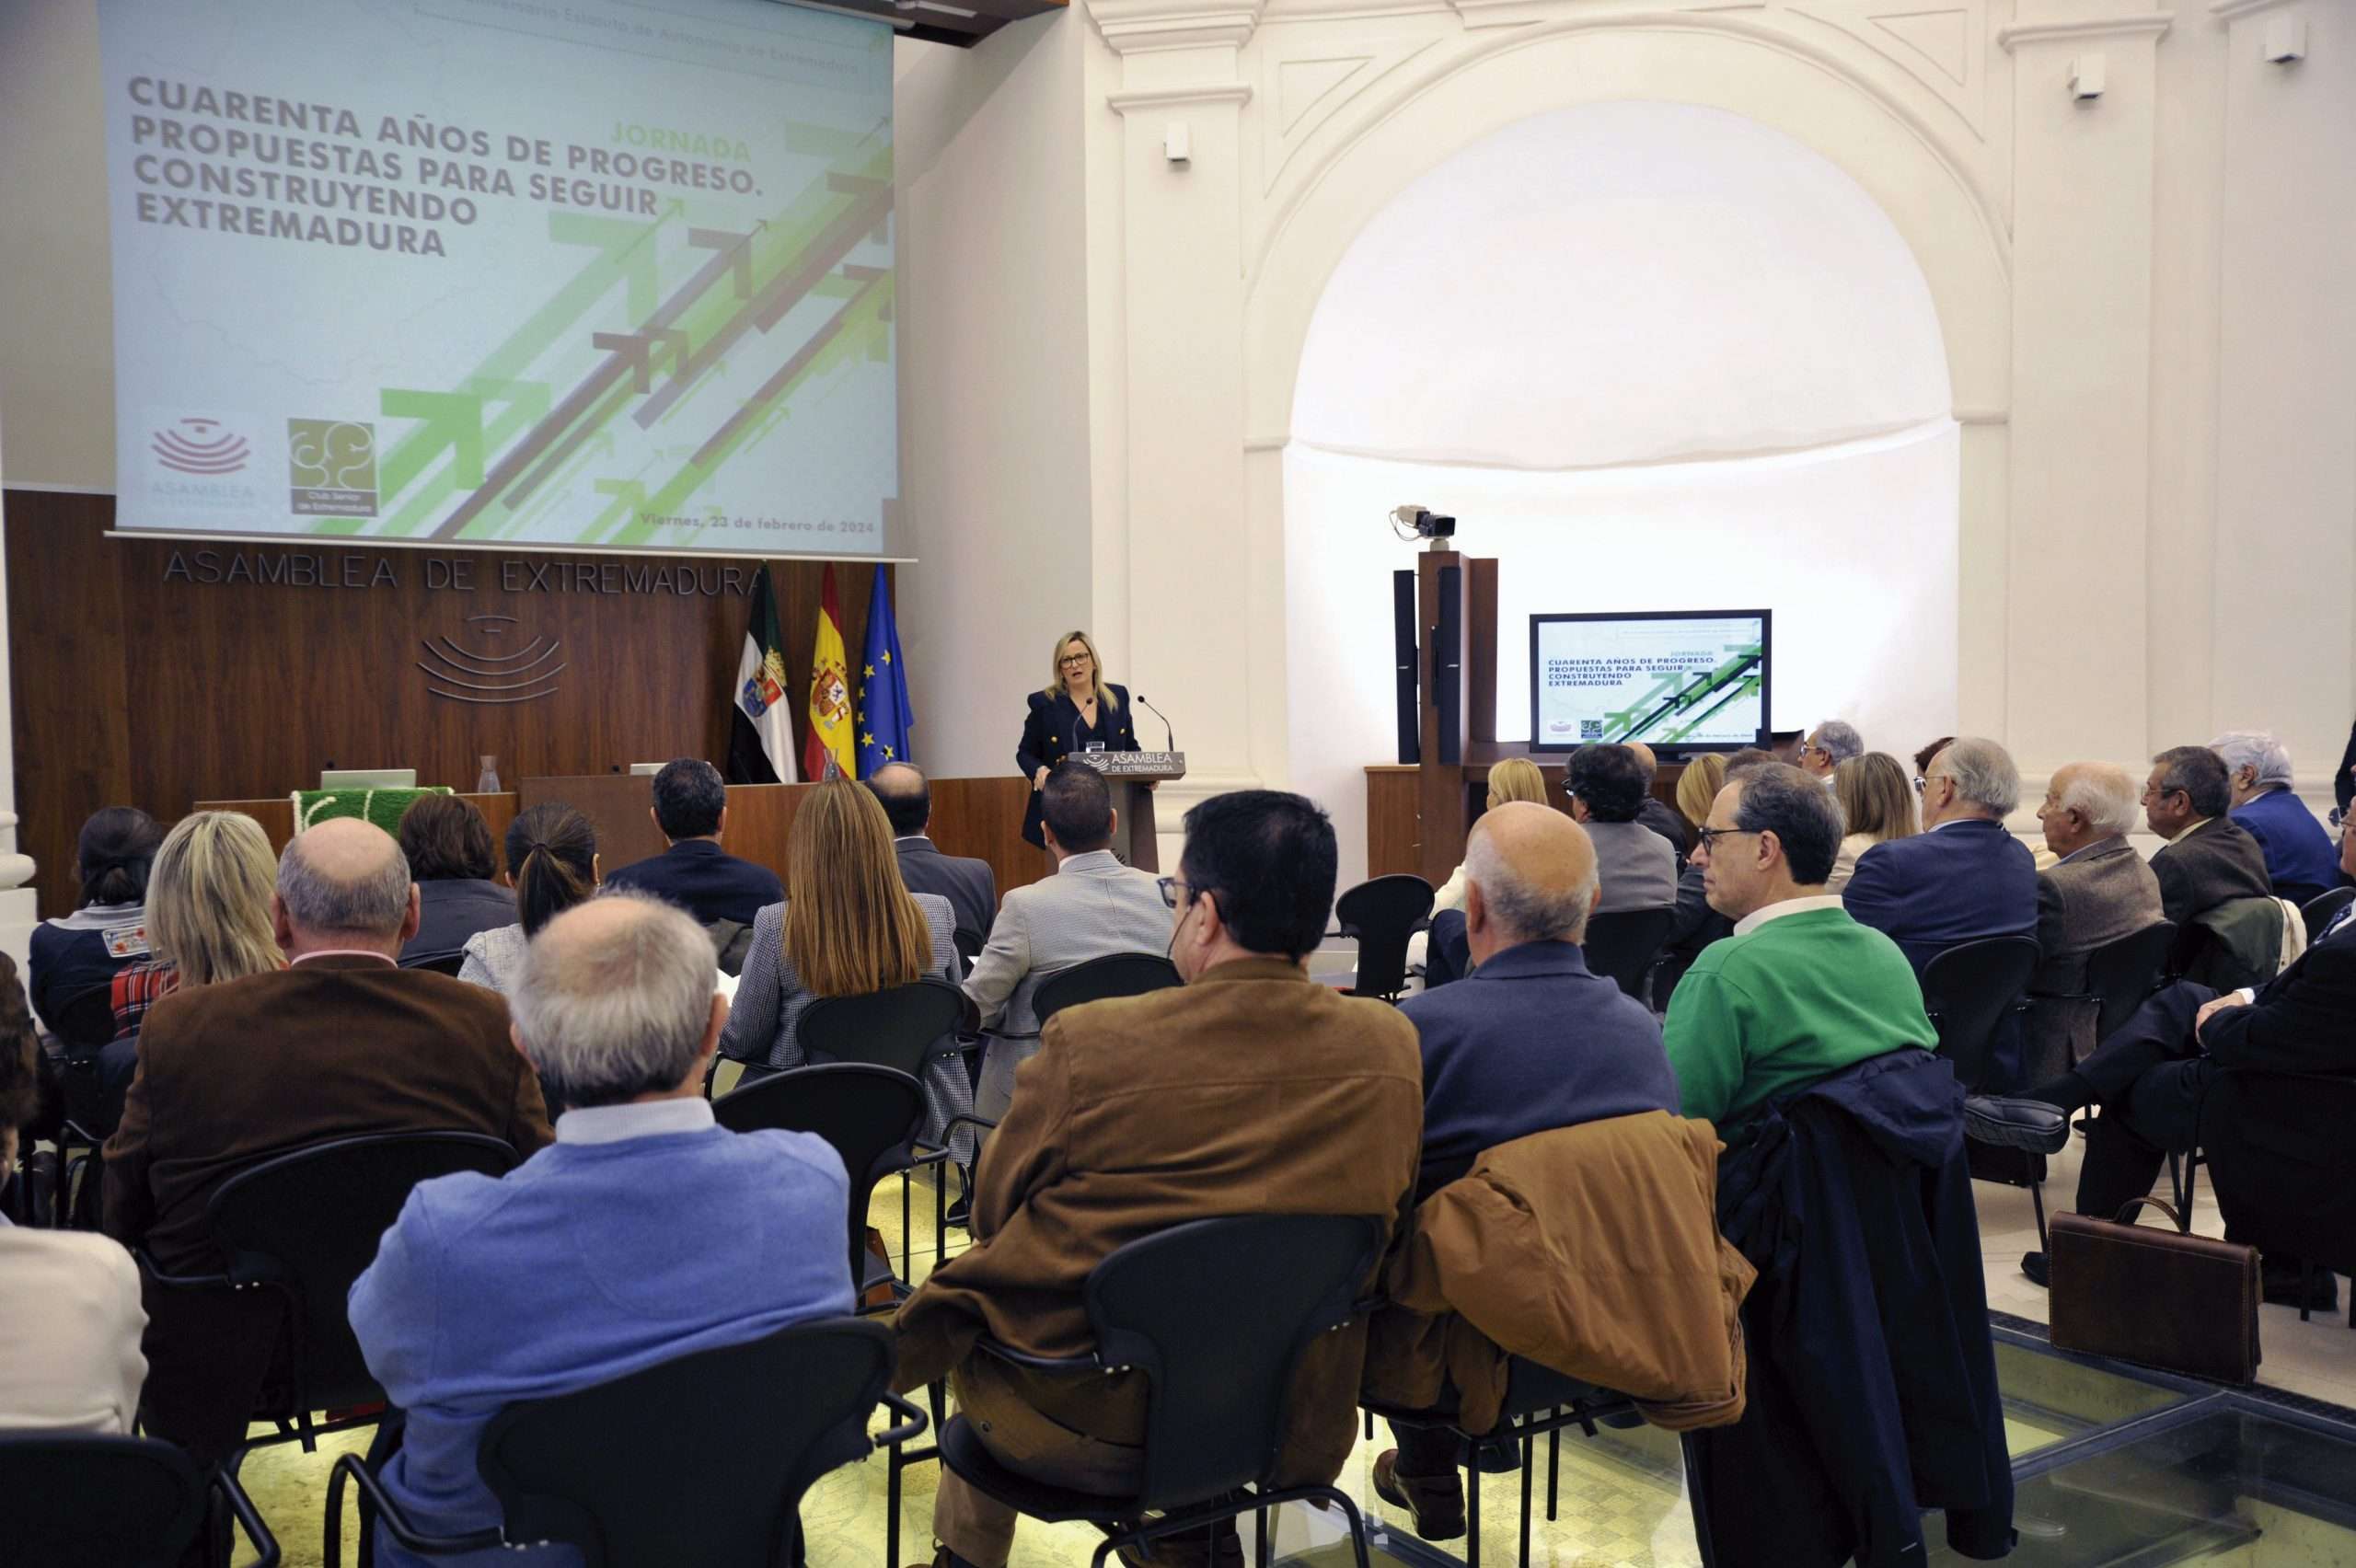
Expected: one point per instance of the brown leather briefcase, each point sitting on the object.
(2178, 1302)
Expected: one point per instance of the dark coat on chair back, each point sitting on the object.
(2213, 862)
(1052, 731)
(968, 885)
(451, 909)
(1873, 1374)
(2091, 898)
(1963, 881)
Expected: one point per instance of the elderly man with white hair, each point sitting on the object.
(2301, 859)
(1831, 743)
(2099, 890)
(606, 1252)
(1963, 878)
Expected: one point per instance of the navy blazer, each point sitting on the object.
(1527, 1041)
(1051, 730)
(2299, 853)
(704, 880)
(1961, 882)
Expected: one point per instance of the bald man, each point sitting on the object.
(341, 1043)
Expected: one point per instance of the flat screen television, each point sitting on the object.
(1681, 681)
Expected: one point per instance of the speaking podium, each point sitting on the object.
(1128, 773)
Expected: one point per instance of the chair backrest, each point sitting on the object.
(1218, 1379)
(969, 948)
(2321, 912)
(308, 1223)
(2120, 974)
(438, 963)
(700, 1459)
(868, 1114)
(86, 1018)
(97, 1502)
(731, 944)
(902, 1027)
(1115, 974)
(1623, 945)
(1967, 990)
(1382, 914)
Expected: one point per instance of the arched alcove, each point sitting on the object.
(1654, 356)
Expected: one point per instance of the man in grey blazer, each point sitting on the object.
(966, 882)
(1094, 906)
(1607, 787)
(2099, 890)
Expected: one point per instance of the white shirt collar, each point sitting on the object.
(914, 838)
(1759, 917)
(1090, 861)
(2191, 828)
(653, 1118)
(346, 952)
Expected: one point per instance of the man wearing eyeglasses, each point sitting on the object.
(1831, 743)
(1800, 990)
(2209, 857)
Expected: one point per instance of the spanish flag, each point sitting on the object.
(826, 753)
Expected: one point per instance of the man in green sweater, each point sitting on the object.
(1800, 990)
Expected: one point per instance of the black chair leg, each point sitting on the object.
(891, 1509)
(1357, 1525)
(2306, 1285)
(1529, 1472)
(1553, 1464)
(2037, 1201)
(1262, 1552)
(907, 1236)
(1472, 1507)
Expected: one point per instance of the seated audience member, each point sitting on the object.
(849, 926)
(208, 920)
(1801, 990)
(1515, 778)
(1249, 1084)
(450, 854)
(1749, 757)
(1657, 814)
(1963, 878)
(2151, 1075)
(968, 883)
(70, 1319)
(1529, 1041)
(2302, 862)
(1877, 805)
(1923, 758)
(341, 1043)
(2096, 892)
(606, 1249)
(1092, 907)
(1606, 785)
(1695, 924)
(75, 957)
(2209, 859)
(552, 859)
(1831, 743)
(692, 808)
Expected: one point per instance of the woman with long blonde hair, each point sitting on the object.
(848, 927)
(1077, 710)
(1692, 924)
(1876, 797)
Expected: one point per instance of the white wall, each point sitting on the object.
(994, 380)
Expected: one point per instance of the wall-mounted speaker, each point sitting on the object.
(1448, 666)
(1402, 656)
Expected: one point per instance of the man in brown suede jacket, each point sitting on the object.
(1250, 1090)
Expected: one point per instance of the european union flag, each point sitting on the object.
(885, 716)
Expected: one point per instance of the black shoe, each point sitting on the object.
(1494, 1455)
(959, 1213)
(2033, 1265)
(2032, 1124)
(2281, 1289)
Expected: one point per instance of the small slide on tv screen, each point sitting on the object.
(1679, 681)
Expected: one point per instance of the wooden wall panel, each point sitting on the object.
(132, 683)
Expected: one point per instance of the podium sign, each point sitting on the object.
(1134, 840)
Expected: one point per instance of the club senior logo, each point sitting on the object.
(331, 467)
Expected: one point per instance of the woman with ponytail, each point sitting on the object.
(553, 860)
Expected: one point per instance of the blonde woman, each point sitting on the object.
(1515, 779)
(848, 927)
(1077, 710)
(1694, 925)
(1877, 801)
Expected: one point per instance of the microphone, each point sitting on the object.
(1169, 736)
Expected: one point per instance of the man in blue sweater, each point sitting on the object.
(604, 1253)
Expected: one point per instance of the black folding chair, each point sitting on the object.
(438, 963)
(2321, 912)
(1218, 1381)
(85, 1020)
(1382, 915)
(2300, 893)
(703, 1459)
(969, 948)
(1969, 990)
(1117, 974)
(304, 1226)
(1539, 1402)
(906, 1029)
(1624, 944)
(109, 1501)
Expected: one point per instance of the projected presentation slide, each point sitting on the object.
(1690, 681)
(578, 272)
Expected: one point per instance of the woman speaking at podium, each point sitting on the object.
(1077, 710)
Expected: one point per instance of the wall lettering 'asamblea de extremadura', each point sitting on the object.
(459, 574)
